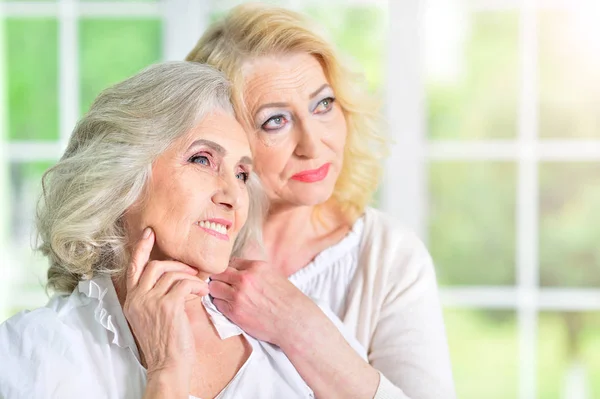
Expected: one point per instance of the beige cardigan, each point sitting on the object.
(394, 311)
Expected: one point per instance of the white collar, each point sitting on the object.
(109, 314)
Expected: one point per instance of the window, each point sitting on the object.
(494, 108)
(497, 166)
(58, 56)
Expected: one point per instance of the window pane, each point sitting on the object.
(472, 222)
(28, 272)
(483, 349)
(569, 355)
(32, 78)
(369, 47)
(112, 50)
(471, 72)
(570, 224)
(569, 68)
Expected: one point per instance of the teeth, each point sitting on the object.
(219, 228)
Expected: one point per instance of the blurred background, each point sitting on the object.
(495, 108)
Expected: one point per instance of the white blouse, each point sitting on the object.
(380, 281)
(80, 346)
(326, 279)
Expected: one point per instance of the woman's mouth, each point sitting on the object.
(215, 227)
(314, 175)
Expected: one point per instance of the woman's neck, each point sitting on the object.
(293, 236)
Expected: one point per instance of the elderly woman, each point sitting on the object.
(317, 147)
(152, 195)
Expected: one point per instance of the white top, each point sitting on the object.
(329, 275)
(380, 281)
(80, 346)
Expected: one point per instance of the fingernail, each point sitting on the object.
(147, 232)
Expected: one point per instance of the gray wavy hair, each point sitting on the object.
(108, 162)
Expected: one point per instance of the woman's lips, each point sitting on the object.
(314, 175)
(223, 237)
(215, 227)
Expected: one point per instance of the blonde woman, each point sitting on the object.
(317, 145)
(152, 195)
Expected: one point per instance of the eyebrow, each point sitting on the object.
(211, 144)
(320, 89)
(283, 105)
(219, 149)
(270, 105)
(246, 160)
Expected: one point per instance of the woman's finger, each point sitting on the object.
(182, 288)
(155, 269)
(230, 276)
(167, 281)
(223, 306)
(221, 290)
(139, 258)
(240, 263)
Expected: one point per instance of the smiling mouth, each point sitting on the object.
(212, 226)
(216, 227)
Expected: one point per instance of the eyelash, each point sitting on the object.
(331, 100)
(192, 159)
(279, 116)
(198, 156)
(246, 177)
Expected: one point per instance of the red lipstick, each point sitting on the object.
(314, 175)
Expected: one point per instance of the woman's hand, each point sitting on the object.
(260, 300)
(269, 307)
(155, 308)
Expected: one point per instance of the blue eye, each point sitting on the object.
(274, 123)
(200, 159)
(243, 176)
(324, 105)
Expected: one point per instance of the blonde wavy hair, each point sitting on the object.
(249, 31)
(108, 163)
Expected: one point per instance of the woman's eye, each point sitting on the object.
(243, 176)
(274, 123)
(200, 159)
(324, 105)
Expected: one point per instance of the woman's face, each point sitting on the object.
(298, 130)
(196, 200)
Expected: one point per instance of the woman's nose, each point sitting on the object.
(308, 141)
(228, 193)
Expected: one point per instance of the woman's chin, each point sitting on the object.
(217, 266)
(313, 197)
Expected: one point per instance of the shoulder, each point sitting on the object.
(33, 329)
(62, 317)
(386, 236)
(40, 351)
(393, 253)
